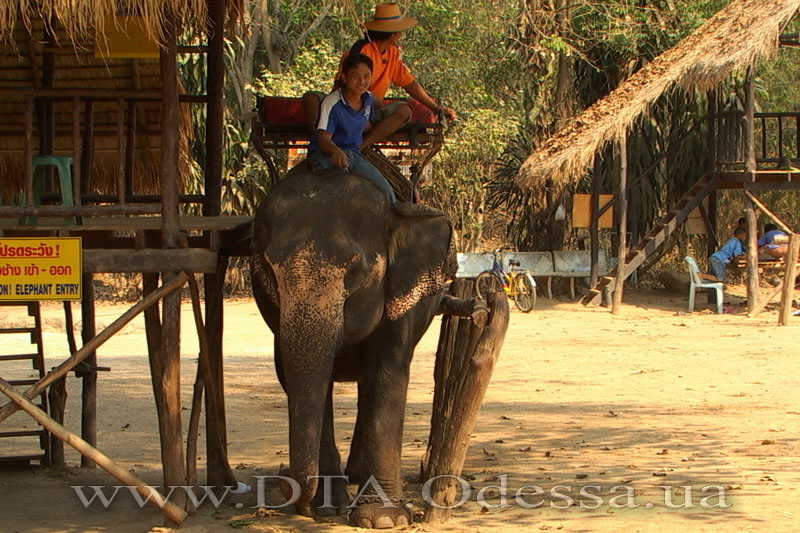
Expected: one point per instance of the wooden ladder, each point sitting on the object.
(654, 238)
(37, 360)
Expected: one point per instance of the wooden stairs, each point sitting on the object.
(654, 238)
(36, 356)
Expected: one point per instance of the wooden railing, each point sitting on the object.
(776, 136)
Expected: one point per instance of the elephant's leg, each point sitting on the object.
(357, 468)
(381, 412)
(332, 497)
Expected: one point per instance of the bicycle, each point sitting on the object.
(517, 284)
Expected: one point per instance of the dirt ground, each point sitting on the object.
(580, 400)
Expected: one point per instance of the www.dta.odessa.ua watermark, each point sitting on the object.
(496, 496)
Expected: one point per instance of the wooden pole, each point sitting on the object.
(464, 363)
(173, 512)
(621, 164)
(168, 382)
(711, 166)
(750, 167)
(594, 231)
(62, 369)
(215, 109)
(763, 303)
(89, 379)
(788, 280)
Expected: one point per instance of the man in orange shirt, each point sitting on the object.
(380, 45)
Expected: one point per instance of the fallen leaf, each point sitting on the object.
(767, 441)
(525, 449)
(612, 413)
(581, 476)
(664, 451)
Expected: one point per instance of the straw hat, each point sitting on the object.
(389, 19)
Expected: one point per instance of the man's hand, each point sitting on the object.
(339, 158)
(449, 113)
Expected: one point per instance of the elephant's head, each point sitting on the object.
(332, 260)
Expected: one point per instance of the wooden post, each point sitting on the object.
(711, 166)
(788, 280)
(173, 512)
(168, 382)
(57, 398)
(89, 379)
(621, 166)
(219, 472)
(465, 359)
(594, 231)
(750, 167)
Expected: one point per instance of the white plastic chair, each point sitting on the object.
(696, 282)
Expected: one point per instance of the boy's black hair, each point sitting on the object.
(353, 60)
(378, 36)
(739, 231)
(742, 219)
(770, 227)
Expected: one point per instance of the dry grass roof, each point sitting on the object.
(81, 19)
(735, 37)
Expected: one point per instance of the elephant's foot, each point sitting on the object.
(380, 515)
(338, 499)
(337, 503)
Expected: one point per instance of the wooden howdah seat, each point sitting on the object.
(280, 124)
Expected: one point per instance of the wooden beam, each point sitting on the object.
(78, 211)
(97, 341)
(149, 260)
(780, 223)
(594, 230)
(215, 83)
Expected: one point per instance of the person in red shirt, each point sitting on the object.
(380, 44)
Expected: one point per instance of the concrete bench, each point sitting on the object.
(471, 265)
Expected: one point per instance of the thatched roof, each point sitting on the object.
(735, 37)
(82, 19)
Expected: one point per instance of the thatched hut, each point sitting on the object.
(736, 38)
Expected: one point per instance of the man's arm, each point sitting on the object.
(329, 148)
(418, 92)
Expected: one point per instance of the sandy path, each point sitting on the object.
(580, 398)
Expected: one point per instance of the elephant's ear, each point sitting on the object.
(421, 257)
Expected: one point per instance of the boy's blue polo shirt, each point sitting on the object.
(729, 250)
(345, 124)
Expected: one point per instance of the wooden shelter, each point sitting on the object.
(736, 38)
(118, 111)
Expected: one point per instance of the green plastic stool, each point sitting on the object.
(63, 165)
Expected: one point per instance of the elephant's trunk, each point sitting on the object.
(311, 325)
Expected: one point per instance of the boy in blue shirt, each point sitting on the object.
(719, 260)
(343, 117)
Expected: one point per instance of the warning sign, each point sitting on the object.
(36, 268)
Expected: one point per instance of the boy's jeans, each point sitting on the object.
(357, 165)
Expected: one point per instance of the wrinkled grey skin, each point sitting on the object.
(348, 285)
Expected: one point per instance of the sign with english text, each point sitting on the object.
(40, 268)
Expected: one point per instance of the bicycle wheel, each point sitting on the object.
(485, 284)
(524, 292)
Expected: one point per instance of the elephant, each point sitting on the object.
(348, 284)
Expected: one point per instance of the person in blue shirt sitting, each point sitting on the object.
(734, 248)
(767, 246)
(343, 117)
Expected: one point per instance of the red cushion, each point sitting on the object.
(283, 109)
